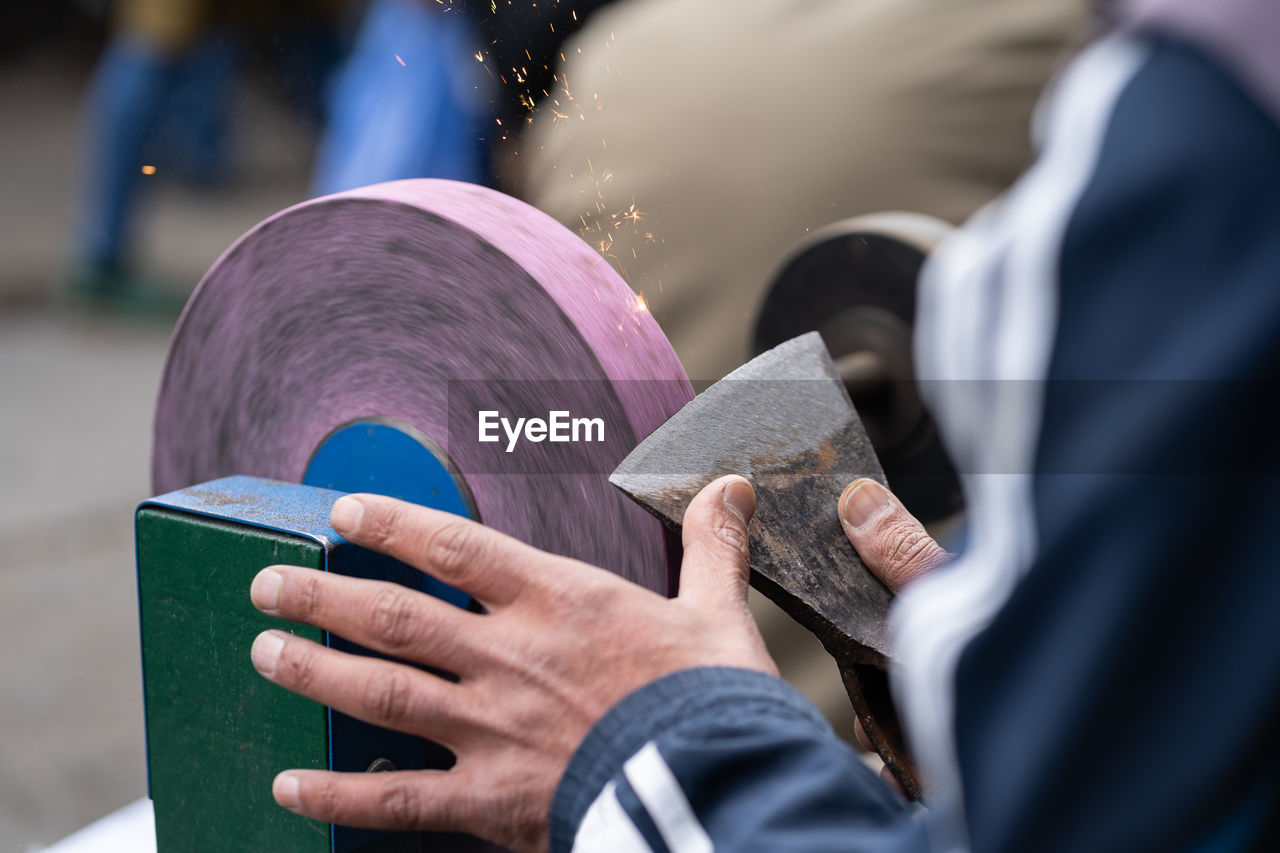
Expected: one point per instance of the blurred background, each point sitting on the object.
(77, 390)
(692, 143)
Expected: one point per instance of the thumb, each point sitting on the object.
(890, 540)
(714, 571)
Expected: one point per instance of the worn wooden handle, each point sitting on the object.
(868, 689)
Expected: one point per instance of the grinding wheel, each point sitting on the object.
(402, 310)
(854, 282)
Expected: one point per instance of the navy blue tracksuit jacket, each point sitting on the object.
(1099, 669)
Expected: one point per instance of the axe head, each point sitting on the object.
(784, 421)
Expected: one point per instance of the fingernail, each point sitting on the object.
(740, 497)
(345, 515)
(264, 592)
(862, 502)
(266, 652)
(285, 790)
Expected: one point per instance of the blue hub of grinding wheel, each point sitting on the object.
(383, 457)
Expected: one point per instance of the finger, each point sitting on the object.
(715, 567)
(386, 617)
(489, 565)
(404, 799)
(890, 540)
(387, 694)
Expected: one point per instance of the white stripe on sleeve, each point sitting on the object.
(664, 799)
(606, 828)
(988, 312)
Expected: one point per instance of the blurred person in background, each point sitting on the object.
(695, 142)
(411, 101)
(423, 92)
(433, 87)
(160, 99)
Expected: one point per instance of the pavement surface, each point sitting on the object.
(77, 390)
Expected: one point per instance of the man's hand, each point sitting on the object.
(893, 545)
(559, 644)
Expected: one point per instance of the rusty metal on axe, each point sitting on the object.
(784, 420)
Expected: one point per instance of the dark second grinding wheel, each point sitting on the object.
(855, 283)
(366, 333)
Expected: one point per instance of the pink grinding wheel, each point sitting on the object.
(419, 303)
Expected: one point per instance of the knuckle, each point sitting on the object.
(308, 596)
(381, 521)
(394, 619)
(730, 533)
(389, 697)
(324, 800)
(575, 599)
(400, 803)
(299, 666)
(451, 548)
(908, 547)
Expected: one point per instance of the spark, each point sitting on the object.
(148, 170)
(401, 61)
(479, 56)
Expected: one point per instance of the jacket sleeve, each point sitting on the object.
(1125, 696)
(724, 759)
